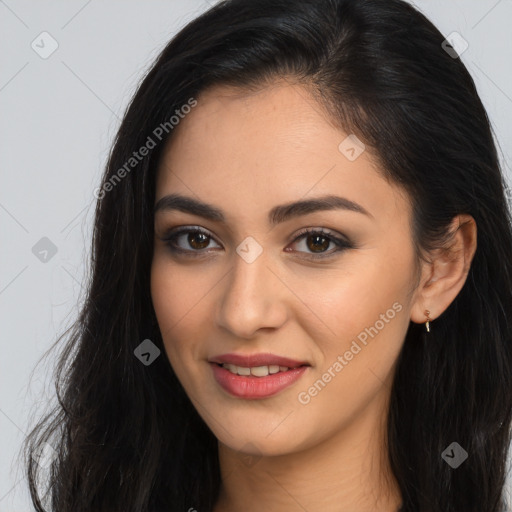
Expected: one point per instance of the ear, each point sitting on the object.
(444, 276)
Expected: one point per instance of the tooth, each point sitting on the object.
(230, 367)
(259, 371)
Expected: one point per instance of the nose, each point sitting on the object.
(253, 297)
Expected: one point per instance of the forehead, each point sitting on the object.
(251, 150)
(229, 117)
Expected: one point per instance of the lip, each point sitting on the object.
(252, 388)
(252, 360)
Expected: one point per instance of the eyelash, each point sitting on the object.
(341, 244)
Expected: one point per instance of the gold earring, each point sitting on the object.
(427, 323)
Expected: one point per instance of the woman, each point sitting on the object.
(288, 306)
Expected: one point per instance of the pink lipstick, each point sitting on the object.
(256, 376)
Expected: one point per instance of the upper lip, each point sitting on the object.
(254, 360)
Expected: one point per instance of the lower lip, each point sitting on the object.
(251, 387)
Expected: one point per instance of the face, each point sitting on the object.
(239, 271)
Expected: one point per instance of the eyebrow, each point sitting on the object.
(276, 215)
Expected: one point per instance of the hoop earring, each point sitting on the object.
(427, 323)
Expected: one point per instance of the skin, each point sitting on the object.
(277, 453)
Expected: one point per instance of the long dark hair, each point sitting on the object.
(126, 436)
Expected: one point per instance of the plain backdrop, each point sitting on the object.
(58, 118)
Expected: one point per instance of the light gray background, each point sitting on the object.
(58, 119)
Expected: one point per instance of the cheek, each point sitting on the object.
(351, 300)
(176, 300)
(367, 313)
(365, 308)
(176, 291)
(164, 296)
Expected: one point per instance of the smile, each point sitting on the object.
(252, 383)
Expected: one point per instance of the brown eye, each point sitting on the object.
(314, 243)
(188, 240)
(317, 243)
(198, 240)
